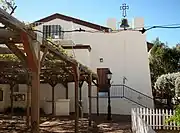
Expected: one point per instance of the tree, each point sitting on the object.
(168, 86)
(176, 117)
(8, 5)
(162, 60)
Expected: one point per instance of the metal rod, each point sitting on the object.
(109, 106)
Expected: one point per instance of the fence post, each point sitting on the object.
(147, 113)
(156, 120)
(153, 119)
(170, 114)
(163, 119)
(160, 119)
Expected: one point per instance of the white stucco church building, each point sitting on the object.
(124, 52)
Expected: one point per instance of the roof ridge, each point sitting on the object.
(73, 19)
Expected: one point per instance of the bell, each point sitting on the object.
(124, 23)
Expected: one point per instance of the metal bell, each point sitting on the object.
(124, 23)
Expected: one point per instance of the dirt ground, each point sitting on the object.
(119, 124)
(166, 131)
(65, 125)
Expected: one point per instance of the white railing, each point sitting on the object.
(156, 118)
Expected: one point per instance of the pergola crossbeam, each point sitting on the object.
(17, 52)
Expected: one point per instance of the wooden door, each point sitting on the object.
(103, 82)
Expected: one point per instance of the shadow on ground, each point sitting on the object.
(66, 125)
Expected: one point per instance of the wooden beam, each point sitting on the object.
(89, 95)
(80, 99)
(68, 59)
(53, 112)
(17, 52)
(35, 95)
(66, 86)
(53, 100)
(28, 105)
(11, 97)
(28, 48)
(43, 56)
(97, 102)
(59, 54)
(76, 78)
(12, 22)
(8, 35)
(97, 96)
(34, 65)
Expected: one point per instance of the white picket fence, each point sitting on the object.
(138, 124)
(156, 118)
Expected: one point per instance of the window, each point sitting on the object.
(52, 31)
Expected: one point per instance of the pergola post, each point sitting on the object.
(80, 99)
(67, 91)
(32, 49)
(97, 102)
(35, 102)
(11, 97)
(53, 112)
(76, 80)
(53, 84)
(28, 105)
(89, 96)
(28, 99)
(97, 96)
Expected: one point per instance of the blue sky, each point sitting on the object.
(155, 12)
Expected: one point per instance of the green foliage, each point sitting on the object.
(9, 57)
(177, 87)
(176, 117)
(162, 60)
(59, 48)
(168, 84)
(7, 5)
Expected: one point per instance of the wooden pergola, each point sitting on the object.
(38, 61)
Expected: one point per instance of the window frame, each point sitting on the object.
(52, 31)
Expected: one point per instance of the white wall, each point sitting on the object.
(45, 94)
(125, 53)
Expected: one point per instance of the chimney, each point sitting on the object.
(138, 23)
(111, 23)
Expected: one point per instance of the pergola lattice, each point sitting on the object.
(27, 63)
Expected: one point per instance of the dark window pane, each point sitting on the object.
(49, 31)
(52, 31)
(44, 31)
